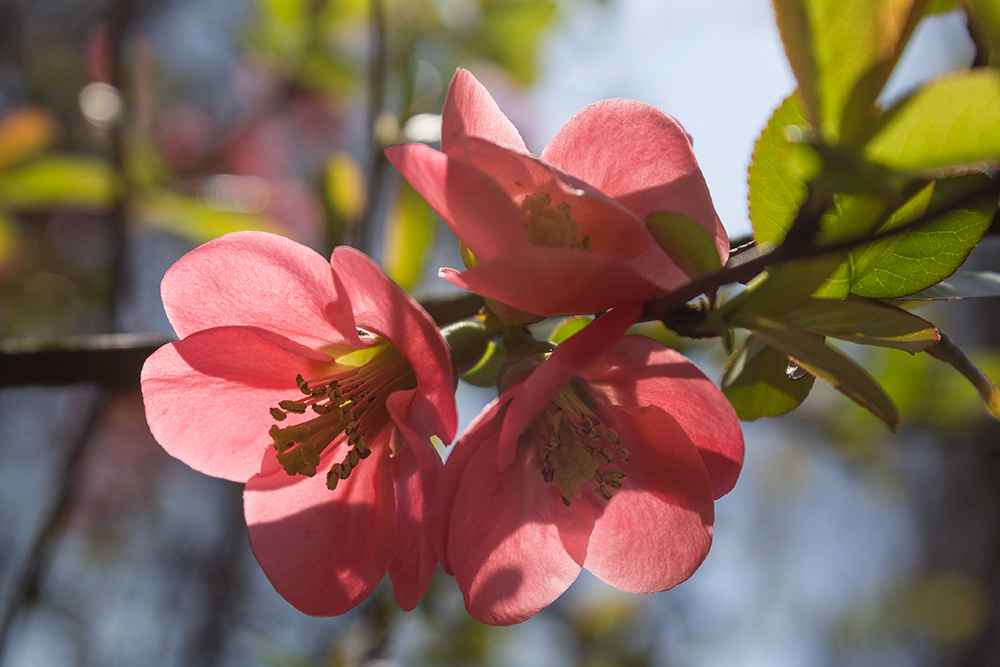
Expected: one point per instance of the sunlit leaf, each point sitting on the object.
(783, 288)
(934, 251)
(865, 322)
(24, 131)
(776, 189)
(810, 352)
(842, 52)
(687, 242)
(409, 237)
(960, 285)
(949, 352)
(985, 15)
(484, 373)
(61, 181)
(951, 122)
(194, 220)
(568, 327)
(344, 195)
(757, 383)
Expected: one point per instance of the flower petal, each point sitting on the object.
(379, 304)
(555, 281)
(470, 111)
(477, 209)
(513, 544)
(611, 227)
(323, 551)
(486, 425)
(657, 529)
(641, 157)
(638, 371)
(415, 468)
(259, 280)
(530, 397)
(208, 396)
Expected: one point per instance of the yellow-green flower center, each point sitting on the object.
(576, 447)
(349, 403)
(549, 225)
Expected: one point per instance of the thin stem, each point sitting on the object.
(786, 252)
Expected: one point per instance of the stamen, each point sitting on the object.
(350, 406)
(549, 225)
(576, 447)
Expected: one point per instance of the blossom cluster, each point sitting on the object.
(321, 384)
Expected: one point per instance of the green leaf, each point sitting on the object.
(951, 122)
(810, 352)
(756, 382)
(776, 188)
(865, 322)
(984, 15)
(512, 32)
(410, 235)
(960, 285)
(469, 340)
(932, 252)
(783, 288)
(568, 327)
(484, 373)
(951, 353)
(59, 181)
(842, 52)
(193, 219)
(687, 242)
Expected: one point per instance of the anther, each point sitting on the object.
(603, 493)
(293, 406)
(279, 415)
(623, 454)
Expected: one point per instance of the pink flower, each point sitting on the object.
(608, 462)
(564, 232)
(319, 387)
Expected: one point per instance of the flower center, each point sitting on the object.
(349, 402)
(549, 225)
(576, 446)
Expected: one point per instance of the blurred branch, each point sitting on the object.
(114, 361)
(376, 101)
(24, 572)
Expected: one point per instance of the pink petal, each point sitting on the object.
(208, 396)
(486, 425)
(641, 157)
(381, 306)
(477, 209)
(612, 228)
(415, 468)
(324, 551)
(533, 395)
(259, 280)
(657, 529)
(513, 545)
(470, 111)
(638, 371)
(555, 281)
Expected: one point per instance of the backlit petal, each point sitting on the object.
(555, 281)
(476, 208)
(514, 546)
(258, 280)
(415, 468)
(323, 551)
(638, 371)
(657, 529)
(641, 157)
(381, 306)
(470, 111)
(208, 396)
